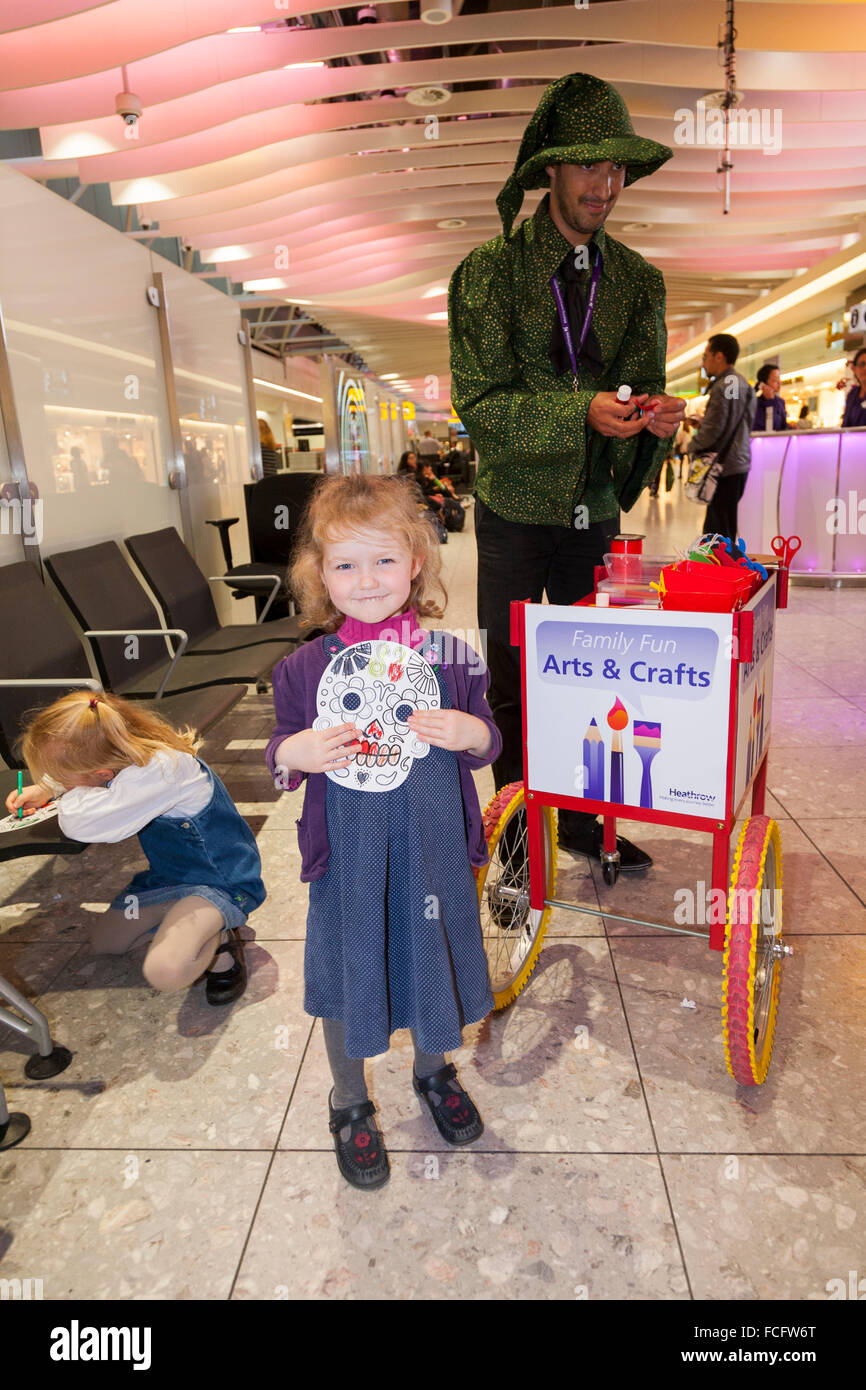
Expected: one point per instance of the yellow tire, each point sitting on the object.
(752, 978)
(512, 932)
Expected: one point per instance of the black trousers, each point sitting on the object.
(518, 561)
(721, 514)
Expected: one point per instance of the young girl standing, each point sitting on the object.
(118, 770)
(387, 721)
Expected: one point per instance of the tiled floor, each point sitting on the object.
(185, 1153)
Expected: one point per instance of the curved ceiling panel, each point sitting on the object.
(295, 141)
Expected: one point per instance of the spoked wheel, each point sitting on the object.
(753, 952)
(511, 930)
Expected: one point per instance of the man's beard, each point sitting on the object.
(581, 220)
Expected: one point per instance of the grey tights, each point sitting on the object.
(350, 1088)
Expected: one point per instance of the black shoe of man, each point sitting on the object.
(589, 842)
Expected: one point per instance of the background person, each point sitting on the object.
(855, 401)
(117, 770)
(558, 454)
(270, 453)
(730, 408)
(770, 409)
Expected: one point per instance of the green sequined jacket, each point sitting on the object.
(537, 458)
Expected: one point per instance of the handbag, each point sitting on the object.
(706, 469)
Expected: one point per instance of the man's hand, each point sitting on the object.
(452, 729)
(664, 415)
(607, 415)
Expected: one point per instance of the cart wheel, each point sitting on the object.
(751, 978)
(512, 932)
(610, 874)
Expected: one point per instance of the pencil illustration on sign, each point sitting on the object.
(593, 763)
(647, 742)
(617, 718)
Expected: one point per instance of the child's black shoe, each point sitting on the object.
(453, 1110)
(361, 1155)
(225, 986)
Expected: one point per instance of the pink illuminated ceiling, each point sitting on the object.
(323, 185)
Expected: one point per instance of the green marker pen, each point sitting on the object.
(20, 790)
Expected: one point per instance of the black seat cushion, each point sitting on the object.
(182, 591)
(36, 639)
(103, 592)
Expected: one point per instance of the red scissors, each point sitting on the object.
(786, 549)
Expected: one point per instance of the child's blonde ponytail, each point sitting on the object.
(82, 733)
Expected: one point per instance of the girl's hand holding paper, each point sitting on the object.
(452, 729)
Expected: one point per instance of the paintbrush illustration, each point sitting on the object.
(647, 742)
(593, 763)
(617, 718)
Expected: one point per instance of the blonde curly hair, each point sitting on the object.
(359, 505)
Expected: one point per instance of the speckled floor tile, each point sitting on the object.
(847, 678)
(811, 1101)
(467, 1226)
(283, 914)
(130, 1224)
(774, 1228)
(842, 842)
(169, 1070)
(554, 1072)
(814, 785)
(793, 682)
(817, 723)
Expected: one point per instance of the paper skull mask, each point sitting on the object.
(377, 686)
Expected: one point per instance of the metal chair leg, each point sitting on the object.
(52, 1058)
(14, 1127)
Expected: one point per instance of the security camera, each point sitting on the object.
(128, 107)
(145, 224)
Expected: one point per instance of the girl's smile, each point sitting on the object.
(369, 578)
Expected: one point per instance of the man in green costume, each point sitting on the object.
(547, 321)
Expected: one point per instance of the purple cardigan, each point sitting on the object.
(296, 682)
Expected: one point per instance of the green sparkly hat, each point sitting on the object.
(578, 119)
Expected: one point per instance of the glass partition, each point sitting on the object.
(209, 376)
(85, 366)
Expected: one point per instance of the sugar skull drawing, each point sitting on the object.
(378, 686)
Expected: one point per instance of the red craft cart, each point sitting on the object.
(714, 728)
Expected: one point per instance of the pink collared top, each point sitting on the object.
(400, 627)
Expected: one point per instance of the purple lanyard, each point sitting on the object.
(587, 319)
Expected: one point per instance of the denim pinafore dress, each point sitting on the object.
(213, 855)
(393, 930)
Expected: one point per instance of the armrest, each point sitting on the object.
(88, 682)
(148, 632)
(238, 581)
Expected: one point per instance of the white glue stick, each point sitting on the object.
(624, 394)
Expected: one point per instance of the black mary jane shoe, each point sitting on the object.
(362, 1158)
(225, 986)
(454, 1113)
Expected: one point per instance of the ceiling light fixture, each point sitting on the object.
(291, 67)
(435, 11)
(450, 224)
(435, 292)
(440, 314)
(272, 385)
(787, 301)
(432, 95)
(391, 376)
